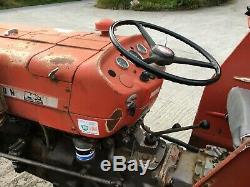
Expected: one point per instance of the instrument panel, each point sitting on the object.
(121, 72)
(124, 63)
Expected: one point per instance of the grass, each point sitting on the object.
(158, 4)
(5, 4)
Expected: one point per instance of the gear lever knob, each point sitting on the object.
(204, 124)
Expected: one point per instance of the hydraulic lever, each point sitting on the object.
(152, 137)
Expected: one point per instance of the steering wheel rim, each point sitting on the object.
(212, 64)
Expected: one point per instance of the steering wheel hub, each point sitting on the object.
(163, 51)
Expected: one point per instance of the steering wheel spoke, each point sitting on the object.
(180, 60)
(145, 34)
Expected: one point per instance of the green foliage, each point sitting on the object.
(20, 3)
(157, 4)
(114, 4)
(166, 4)
(211, 2)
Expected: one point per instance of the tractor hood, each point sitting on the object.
(47, 51)
(74, 78)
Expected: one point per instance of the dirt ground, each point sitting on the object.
(9, 178)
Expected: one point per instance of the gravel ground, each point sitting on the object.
(217, 29)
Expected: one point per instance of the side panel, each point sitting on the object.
(100, 98)
(213, 102)
(15, 56)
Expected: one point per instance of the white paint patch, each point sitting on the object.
(30, 96)
(63, 30)
(155, 92)
(88, 127)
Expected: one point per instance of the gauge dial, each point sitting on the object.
(141, 48)
(122, 63)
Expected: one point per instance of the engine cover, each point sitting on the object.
(73, 81)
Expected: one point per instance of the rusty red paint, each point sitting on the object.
(215, 97)
(82, 85)
(82, 42)
(231, 172)
(103, 26)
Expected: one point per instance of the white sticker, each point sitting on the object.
(88, 127)
(30, 96)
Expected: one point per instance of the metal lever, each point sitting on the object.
(202, 125)
(52, 74)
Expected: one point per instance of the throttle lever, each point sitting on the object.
(204, 124)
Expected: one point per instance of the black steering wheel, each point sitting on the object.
(162, 55)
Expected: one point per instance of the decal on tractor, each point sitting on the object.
(88, 127)
(30, 96)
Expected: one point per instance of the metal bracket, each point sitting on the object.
(11, 32)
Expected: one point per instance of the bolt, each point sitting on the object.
(208, 147)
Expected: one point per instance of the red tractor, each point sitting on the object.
(73, 107)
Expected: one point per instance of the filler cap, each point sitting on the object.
(103, 26)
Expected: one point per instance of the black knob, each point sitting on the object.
(204, 124)
(145, 76)
(248, 11)
(150, 139)
(176, 125)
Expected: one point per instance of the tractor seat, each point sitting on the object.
(238, 107)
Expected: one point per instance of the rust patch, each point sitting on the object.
(116, 116)
(56, 59)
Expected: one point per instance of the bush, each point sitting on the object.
(20, 3)
(157, 4)
(211, 2)
(166, 4)
(114, 4)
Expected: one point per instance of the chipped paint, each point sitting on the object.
(56, 59)
(63, 30)
(242, 79)
(14, 56)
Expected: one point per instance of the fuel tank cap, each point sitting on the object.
(103, 26)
